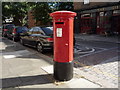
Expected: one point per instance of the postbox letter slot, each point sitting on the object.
(59, 23)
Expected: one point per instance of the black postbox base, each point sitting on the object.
(63, 71)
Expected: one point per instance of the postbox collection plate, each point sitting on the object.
(59, 32)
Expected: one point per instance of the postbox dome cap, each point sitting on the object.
(63, 13)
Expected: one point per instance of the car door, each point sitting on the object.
(33, 36)
(41, 35)
(11, 28)
(27, 37)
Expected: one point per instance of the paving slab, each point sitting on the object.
(105, 73)
(75, 82)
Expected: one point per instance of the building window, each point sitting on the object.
(116, 12)
(85, 15)
(86, 1)
(101, 13)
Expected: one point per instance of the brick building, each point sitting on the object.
(97, 17)
(31, 20)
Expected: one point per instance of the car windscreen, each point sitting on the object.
(47, 31)
(22, 29)
(9, 26)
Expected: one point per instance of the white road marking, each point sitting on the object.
(94, 47)
(93, 50)
(80, 51)
(96, 52)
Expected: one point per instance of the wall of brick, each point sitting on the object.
(81, 5)
(31, 20)
(77, 5)
(93, 9)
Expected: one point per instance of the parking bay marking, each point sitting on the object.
(94, 47)
(95, 52)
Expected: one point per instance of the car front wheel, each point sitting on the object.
(40, 48)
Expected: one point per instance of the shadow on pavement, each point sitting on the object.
(27, 80)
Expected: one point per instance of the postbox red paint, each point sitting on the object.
(63, 44)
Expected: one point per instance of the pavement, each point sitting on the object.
(25, 68)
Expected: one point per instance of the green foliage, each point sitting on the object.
(65, 6)
(41, 10)
(15, 10)
(56, 6)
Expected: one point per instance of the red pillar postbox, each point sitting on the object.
(63, 44)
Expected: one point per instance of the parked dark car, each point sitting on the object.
(6, 29)
(10, 30)
(15, 32)
(0, 28)
(38, 37)
(18, 32)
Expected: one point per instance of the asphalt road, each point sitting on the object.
(97, 44)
